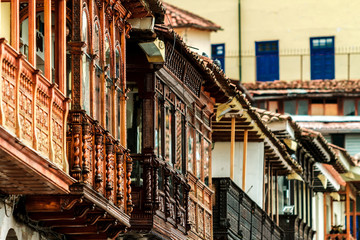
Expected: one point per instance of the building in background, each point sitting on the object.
(286, 40)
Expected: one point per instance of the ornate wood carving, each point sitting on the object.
(128, 182)
(109, 185)
(120, 178)
(99, 159)
(86, 156)
(76, 169)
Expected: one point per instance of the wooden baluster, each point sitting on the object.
(15, 24)
(35, 77)
(99, 158)
(148, 185)
(109, 185)
(167, 191)
(76, 131)
(2, 53)
(156, 184)
(120, 178)
(17, 97)
(177, 182)
(51, 102)
(32, 32)
(129, 164)
(187, 189)
(87, 139)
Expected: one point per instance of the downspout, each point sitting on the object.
(239, 23)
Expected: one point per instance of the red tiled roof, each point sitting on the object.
(334, 173)
(177, 17)
(309, 86)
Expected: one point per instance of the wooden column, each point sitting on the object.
(354, 218)
(47, 39)
(123, 96)
(276, 198)
(232, 149)
(32, 32)
(244, 159)
(268, 190)
(61, 39)
(264, 172)
(15, 24)
(271, 193)
(347, 211)
(325, 214)
(332, 211)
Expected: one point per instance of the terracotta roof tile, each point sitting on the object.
(177, 18)
(334, 173)
(309, 86)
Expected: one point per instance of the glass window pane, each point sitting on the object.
(84, 30)
(158, 125)
(198, 155)
(117, 64)
(303, 107)
(206, 162)
(134, 120)
(290, 107)
(168, 135)
(85, 89)
(190, 138)
(349, 107)
(107, 55)
(96, 44)
(108, 108)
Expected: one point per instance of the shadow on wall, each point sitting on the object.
(11, 235)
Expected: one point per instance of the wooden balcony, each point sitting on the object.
(236, 216)
(338, 236)
(160, 200)
(295, 228)
(32, 129)
(200, 209)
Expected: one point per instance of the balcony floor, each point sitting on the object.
(24, 171)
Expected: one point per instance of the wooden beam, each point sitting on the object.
(276, 198)
(347, 210)
(15, 25)
(244, 159)
(32, 32)
(47, 40)
(325, 214)
(61, 60)
(232, 148)
(354, 219)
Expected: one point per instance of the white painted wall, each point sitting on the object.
(8, 222)
(254, 166)
(5, 20)
(195, 38)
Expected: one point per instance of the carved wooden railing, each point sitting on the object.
(236, 216)
(183, 70)
(163, 192)
(31, 107)
(295, 228)
(339, 236)
(97, 159)
(200, 208)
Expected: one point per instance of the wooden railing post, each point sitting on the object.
(129, 205)
(2, 53)
(34, 110)
(17, 96)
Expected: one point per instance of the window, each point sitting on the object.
(86, 61)
(349, 107)
(267, 61)
(322, 58)
(134, 119)
(303, 107)
(328, 107)
(168, 134)
(218, 53)
(338, 140)
(190, 144)
(98, 72)
(273, 106)
(290, 107)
